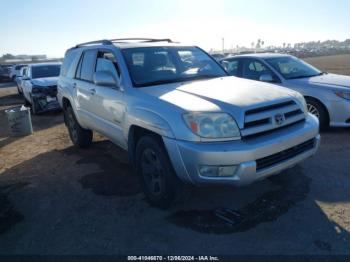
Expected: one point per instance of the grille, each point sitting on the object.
(260, 120)
(284, 155)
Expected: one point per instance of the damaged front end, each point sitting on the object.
(44, 99)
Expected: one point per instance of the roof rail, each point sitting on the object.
(102, 42)
(141, 40)
(111, 41)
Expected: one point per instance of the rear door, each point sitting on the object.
(85, 87)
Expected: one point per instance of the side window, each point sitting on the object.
(231, 66)
(67, 63)
(254, 69)
(106, 61)
(86, 66)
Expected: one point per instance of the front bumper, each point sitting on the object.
(45, 103)
(187, 157)
(339, 111)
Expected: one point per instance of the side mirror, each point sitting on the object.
(105, 78)
(266, 78)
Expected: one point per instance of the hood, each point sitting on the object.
(218, 93)
(326, 80)
(46, 81)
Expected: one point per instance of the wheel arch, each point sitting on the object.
(324, 105)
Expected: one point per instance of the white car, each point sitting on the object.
(39, 86)
(19, 79)
(15, 71)
(327, 95)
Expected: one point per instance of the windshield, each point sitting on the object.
(19, 67)
(45, 71)
(293, 68)
(161, 65)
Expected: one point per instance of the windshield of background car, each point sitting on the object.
(19, 67)
(161, 65)
(45, 71)
(292, 68)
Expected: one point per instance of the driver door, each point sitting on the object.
(109, 106)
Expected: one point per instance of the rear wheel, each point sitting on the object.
(80, 137)
(317, 109)
(158, 179)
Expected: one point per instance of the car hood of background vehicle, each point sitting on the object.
(216, 94)
(326, 80)
(46, 81)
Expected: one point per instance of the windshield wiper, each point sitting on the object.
(183, 79)
(158, 82)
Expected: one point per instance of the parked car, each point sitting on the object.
(39, 86)
(327, 95)
(19, 78)
(181, 118)
(5, 72)
(15, 71)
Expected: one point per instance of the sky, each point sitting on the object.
(52, 26)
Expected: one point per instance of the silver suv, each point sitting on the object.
(181, 118)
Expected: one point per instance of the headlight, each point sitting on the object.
(302, 101)
(212, 125)
(345, 95)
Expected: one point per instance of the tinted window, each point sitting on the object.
(45, 71)
(88, 65)
(161, 65)
(253, 69)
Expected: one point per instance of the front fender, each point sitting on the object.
(150, 120)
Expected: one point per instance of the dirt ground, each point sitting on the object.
(55, 199)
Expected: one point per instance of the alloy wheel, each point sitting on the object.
(313, 110)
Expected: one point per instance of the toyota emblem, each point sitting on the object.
(279, 119)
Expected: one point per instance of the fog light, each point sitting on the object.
(217, 171)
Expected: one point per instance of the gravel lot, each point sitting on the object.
(55, 199)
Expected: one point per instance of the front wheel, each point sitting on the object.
(158, 179)
(317, 109)
(80, 137)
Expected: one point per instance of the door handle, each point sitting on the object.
(74, 85)
(92, 91)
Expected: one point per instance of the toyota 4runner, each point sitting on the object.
(181, 118)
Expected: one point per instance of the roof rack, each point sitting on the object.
(141, 40)
(102, 42)
(120, 40)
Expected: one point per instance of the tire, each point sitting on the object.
(26, 102)
(34, 107)
(317, 109)
(81, 138)
(159, 182)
